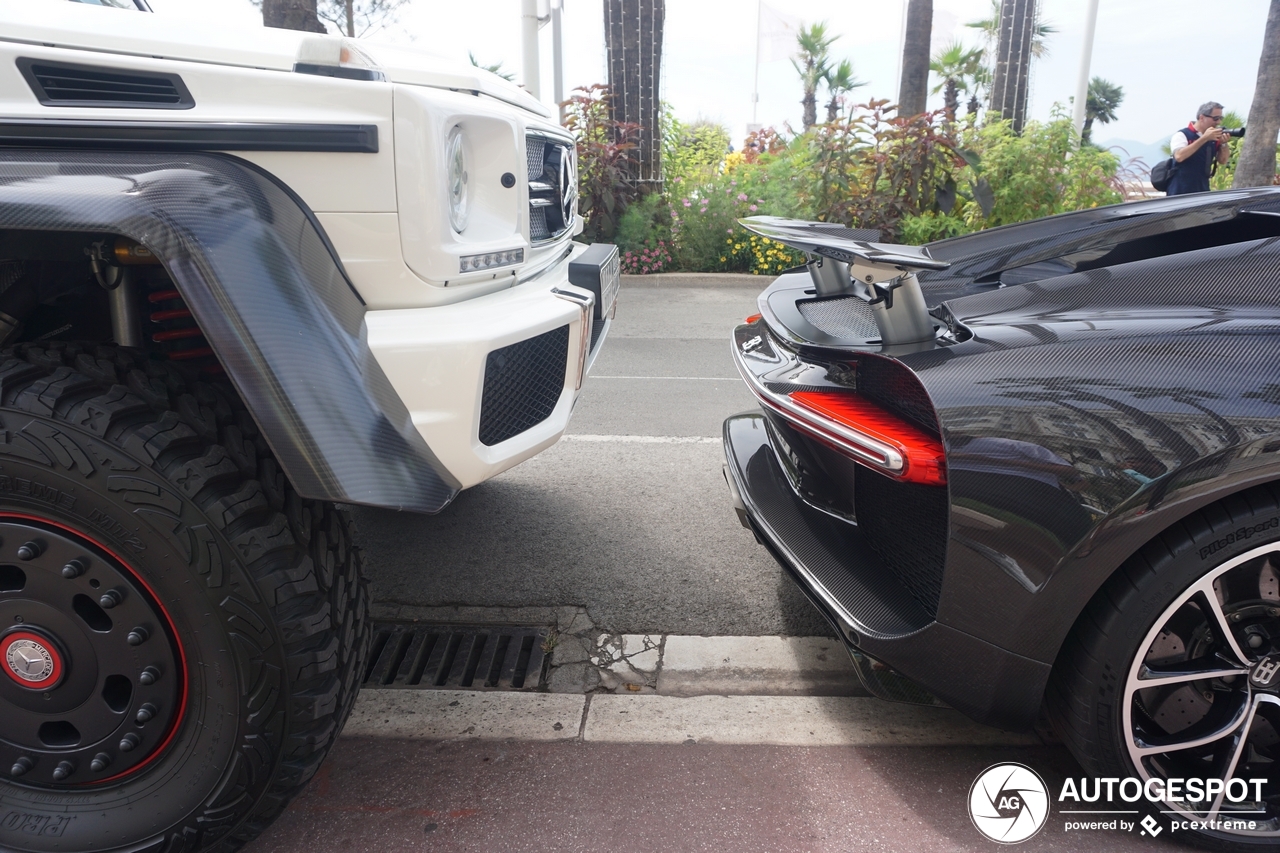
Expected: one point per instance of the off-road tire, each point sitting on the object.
(1087, 690)
(263, 590)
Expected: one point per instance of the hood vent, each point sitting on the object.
(60, 84)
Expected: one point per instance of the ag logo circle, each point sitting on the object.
(1008, 803)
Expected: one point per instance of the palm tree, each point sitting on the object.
(990, 28)
(913, 91)
(812, 66)
(959, 69)
(839, 80)
(1101, 104)
(633, 31)
(1257, 164)
(981, 84)
(292, 15)
(1011, 63)
(496, 68)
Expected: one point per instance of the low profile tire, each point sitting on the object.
(1173, 672)
(180, 634)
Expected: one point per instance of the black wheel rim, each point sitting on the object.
(1202, 698)
(92, 676)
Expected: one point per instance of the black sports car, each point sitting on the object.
(1040, 465)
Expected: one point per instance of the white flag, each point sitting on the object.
(777, 35)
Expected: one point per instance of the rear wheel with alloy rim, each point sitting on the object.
(180, 634)
(1173, 675)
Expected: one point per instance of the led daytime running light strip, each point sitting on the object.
(490, 260)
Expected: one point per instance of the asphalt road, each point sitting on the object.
(629, 516)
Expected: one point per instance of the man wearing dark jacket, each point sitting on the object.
(1195, 148)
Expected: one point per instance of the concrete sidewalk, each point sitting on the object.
(684, 744)
(391, 795)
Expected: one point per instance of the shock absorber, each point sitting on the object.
(171, 328)
(174, 332)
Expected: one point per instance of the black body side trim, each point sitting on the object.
(189, 136)
(267, 293)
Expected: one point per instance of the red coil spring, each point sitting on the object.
(178, 336)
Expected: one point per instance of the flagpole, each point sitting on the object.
(1086, 54)
(755, 88)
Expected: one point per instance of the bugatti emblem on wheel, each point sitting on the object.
(29, 661)
(1264, 673)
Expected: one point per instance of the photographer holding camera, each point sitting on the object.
(1196, 147)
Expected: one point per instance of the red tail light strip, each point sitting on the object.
(859, 428)
(925, 458)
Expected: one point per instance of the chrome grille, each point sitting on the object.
(553, 187)
(535, 147)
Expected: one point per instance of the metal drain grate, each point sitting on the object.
(450, 657)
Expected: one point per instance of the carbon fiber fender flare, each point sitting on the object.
(269, 293)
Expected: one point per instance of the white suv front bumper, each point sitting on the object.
(436, 359)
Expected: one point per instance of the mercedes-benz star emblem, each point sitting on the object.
(29, 661)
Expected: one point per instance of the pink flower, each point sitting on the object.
(742, 196)
(688, 203)
(753, 209)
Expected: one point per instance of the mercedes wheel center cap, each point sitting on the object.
(31, 660)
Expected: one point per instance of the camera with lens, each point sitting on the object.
(1234, 132)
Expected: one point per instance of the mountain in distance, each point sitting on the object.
(1149, 153)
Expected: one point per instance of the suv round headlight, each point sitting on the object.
(459, 196)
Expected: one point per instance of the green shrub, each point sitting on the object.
(692, 152)
(1036, 173)
(918, 230)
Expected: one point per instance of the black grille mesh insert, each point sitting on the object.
(522, 384)
(449, 657)
(82, 85)
(906, 524)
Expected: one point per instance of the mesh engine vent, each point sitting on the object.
(522, 384)
(846, 317)
(449, 657)
(60, 84)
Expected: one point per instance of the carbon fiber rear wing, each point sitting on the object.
(841, 264)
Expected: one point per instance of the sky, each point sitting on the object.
(1169, 56)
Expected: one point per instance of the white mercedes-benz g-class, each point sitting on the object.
(244, 276)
